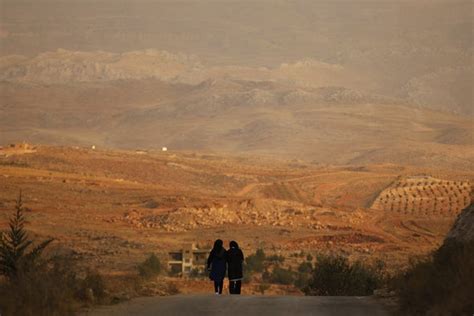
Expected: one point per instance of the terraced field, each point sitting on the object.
(424, 196)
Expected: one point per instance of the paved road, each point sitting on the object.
(244, 305)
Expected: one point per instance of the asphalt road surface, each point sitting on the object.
(244, 305)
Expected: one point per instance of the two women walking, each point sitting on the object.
(220, 261)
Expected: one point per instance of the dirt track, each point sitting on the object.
(244, 305)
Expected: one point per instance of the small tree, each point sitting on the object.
(275, 259)
(280, 275)
(14, 244)
(150, 267)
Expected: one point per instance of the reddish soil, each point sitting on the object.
(111, 208)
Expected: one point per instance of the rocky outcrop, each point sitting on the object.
(463, 228)
(64, 66)
(246, 212)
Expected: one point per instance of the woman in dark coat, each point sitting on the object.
(216, 264)
(235, 259)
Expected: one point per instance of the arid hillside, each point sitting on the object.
(320, 124)
(111, 208)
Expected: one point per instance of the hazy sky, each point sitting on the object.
(260, 32)
(429, 43)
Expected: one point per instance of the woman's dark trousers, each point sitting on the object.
(218, 286)
(234, 287)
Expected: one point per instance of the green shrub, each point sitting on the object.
(302, 280)
(149, 268)
(247, 278)
(304, 274)
(48, 289)
(335, 276)
(255, 262)
(51, 288)
(92, 287)
(305, 267)
(440, 285)
(279, 275)
(275, 259)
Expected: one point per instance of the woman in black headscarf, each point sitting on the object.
(235, 259)
(216, 264)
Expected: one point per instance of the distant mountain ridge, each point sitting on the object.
(441, 90)
(63, 66)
